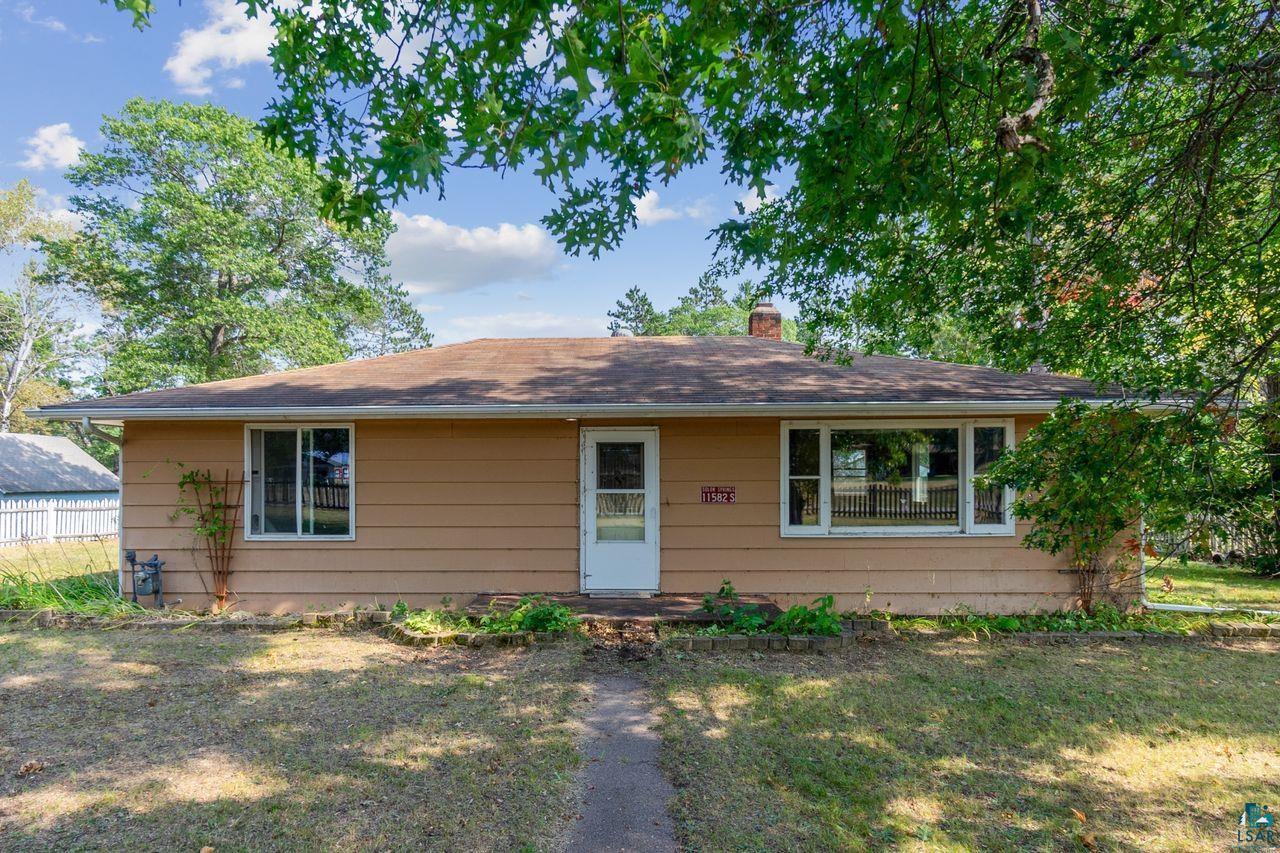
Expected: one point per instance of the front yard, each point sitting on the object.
(144, 739)
(958, 745)
(150, 740)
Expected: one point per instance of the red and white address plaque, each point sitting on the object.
(719, 494)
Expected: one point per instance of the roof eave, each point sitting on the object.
(813, 409)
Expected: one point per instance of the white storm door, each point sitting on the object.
(619, 510)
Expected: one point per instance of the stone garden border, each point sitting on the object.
(854, 631)
(397, 632)
(851, 632)
(875, 629)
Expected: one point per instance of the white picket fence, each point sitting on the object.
(47, 519)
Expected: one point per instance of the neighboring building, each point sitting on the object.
(50, 489)
(34, 467)
(604, 465)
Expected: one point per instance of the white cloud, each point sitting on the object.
(227, 40)
(751, 200)
(432, 256)
(649, 210)
(53, 145)
(519, 324)
(27, 12)
(55, 207)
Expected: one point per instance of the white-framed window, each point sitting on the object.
(893, 478)
(299, 481)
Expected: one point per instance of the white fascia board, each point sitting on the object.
(784, 410)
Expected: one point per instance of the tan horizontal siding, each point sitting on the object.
(511, 535)
(703, 543)
(147, 493)
(458, 507)
(399, 515)
(418, 582)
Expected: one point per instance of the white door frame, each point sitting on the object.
(586, 486)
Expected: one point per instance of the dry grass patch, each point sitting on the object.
(308, 740)
(972, 745)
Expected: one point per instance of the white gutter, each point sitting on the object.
(89, 428)
(515, 410)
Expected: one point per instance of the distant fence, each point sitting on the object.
(320, 495)
(1229, 544)
(881, 501)
(49, 520)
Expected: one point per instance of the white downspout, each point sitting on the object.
(1179, 608)
(89, 428)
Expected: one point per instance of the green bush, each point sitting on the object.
(817, 620)
(1267, 565)
(437, 621)
(531, 613)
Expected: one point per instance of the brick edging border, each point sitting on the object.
(398, 633)
(862, 630)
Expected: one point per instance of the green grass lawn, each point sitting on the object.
(329, 740)
(967, 745)
(311, 740)
(1213, 585)
(53, 560)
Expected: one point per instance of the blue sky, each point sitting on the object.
(478, 263)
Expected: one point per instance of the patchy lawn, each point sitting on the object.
(971, 745)
(53, 560)
(131, 739)
(1214, 585)
(301, 740)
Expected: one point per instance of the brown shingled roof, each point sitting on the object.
(602, 372)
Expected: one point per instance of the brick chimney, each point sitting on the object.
(765, 321)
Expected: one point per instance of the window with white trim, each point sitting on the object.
(300, 482)
(893, 478)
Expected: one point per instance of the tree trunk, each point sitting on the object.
(217, 340)
(16, 370)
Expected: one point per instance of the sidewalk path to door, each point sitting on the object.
(625, 805)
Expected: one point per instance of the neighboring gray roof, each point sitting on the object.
(581, 373)
(49, 463)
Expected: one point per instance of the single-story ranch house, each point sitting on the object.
(602, 465)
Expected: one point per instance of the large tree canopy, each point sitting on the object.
(210, 258)
(1092, 184)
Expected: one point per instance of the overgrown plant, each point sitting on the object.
(819, 619)
(531, 613)
(736, 618)
(215, 508)
(92, 594)
(1105, 617)
(1086, 477)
